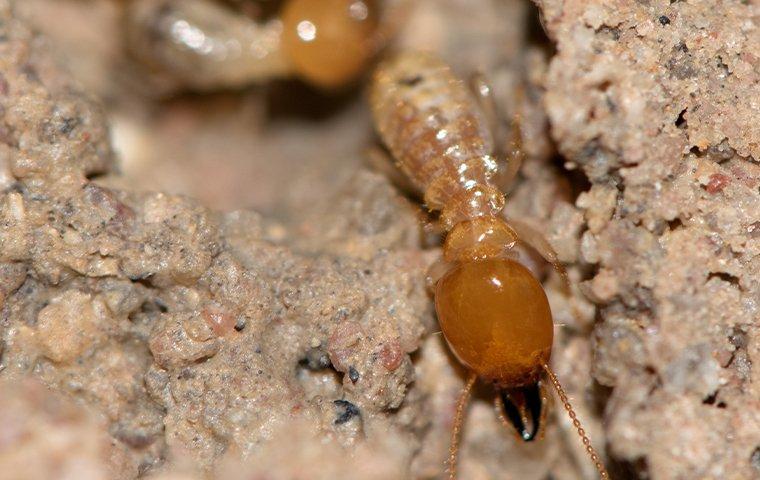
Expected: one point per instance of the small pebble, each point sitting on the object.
(346, 411)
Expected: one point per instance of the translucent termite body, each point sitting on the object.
(203, 44)
(492, 311)
(440, 140)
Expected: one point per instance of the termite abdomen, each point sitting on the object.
(436, 132)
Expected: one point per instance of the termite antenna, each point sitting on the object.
(576, 423)
(464, 397)
(568, 287)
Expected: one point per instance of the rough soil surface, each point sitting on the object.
(266, 316)
(193, 334)
(659, 104)
(208, 339)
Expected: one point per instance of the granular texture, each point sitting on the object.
(298, 339)
(194, 335)
(239, 344)
(658, 103)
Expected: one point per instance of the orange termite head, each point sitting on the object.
(329, 42)
(492, 310)
(496, 319)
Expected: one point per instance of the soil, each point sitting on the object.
(220, 285)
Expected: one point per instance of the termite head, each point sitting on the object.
(495, 317)
(493, 312)
(329, 42)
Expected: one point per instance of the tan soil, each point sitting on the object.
(266, 316)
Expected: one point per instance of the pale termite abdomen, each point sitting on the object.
(435, 130)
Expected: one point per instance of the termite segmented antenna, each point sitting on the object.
(576, 423)
(492, 311)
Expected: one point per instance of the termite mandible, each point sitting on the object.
(494, 314)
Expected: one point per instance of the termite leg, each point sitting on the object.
(381, 162)
(483, 92)
(535, 239)
(511, 155)
(437, 270)
(513, 159)
(464, 398)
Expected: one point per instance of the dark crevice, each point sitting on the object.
(96, 174)
(410, 81)
(681, 120)
(240, 324)
(148, 308)
(754, 459)
(726, 277)
(604, 86)
(712, 400)
(315, 359)
(611, 32)
(722, 66)
(600, 397)
(535, 32)
(637, 468)
(675, 224)
(738, 337)
(289, 99)
(656, 379)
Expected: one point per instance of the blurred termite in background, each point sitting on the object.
(493, 312)
(206, 45)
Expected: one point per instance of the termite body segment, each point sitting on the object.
(494, 314)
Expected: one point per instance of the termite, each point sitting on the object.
(205, 45)
(493, 313)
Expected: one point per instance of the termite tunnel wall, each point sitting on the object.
(220, 284)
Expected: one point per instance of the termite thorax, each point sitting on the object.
(480, 238)
(463, 192)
